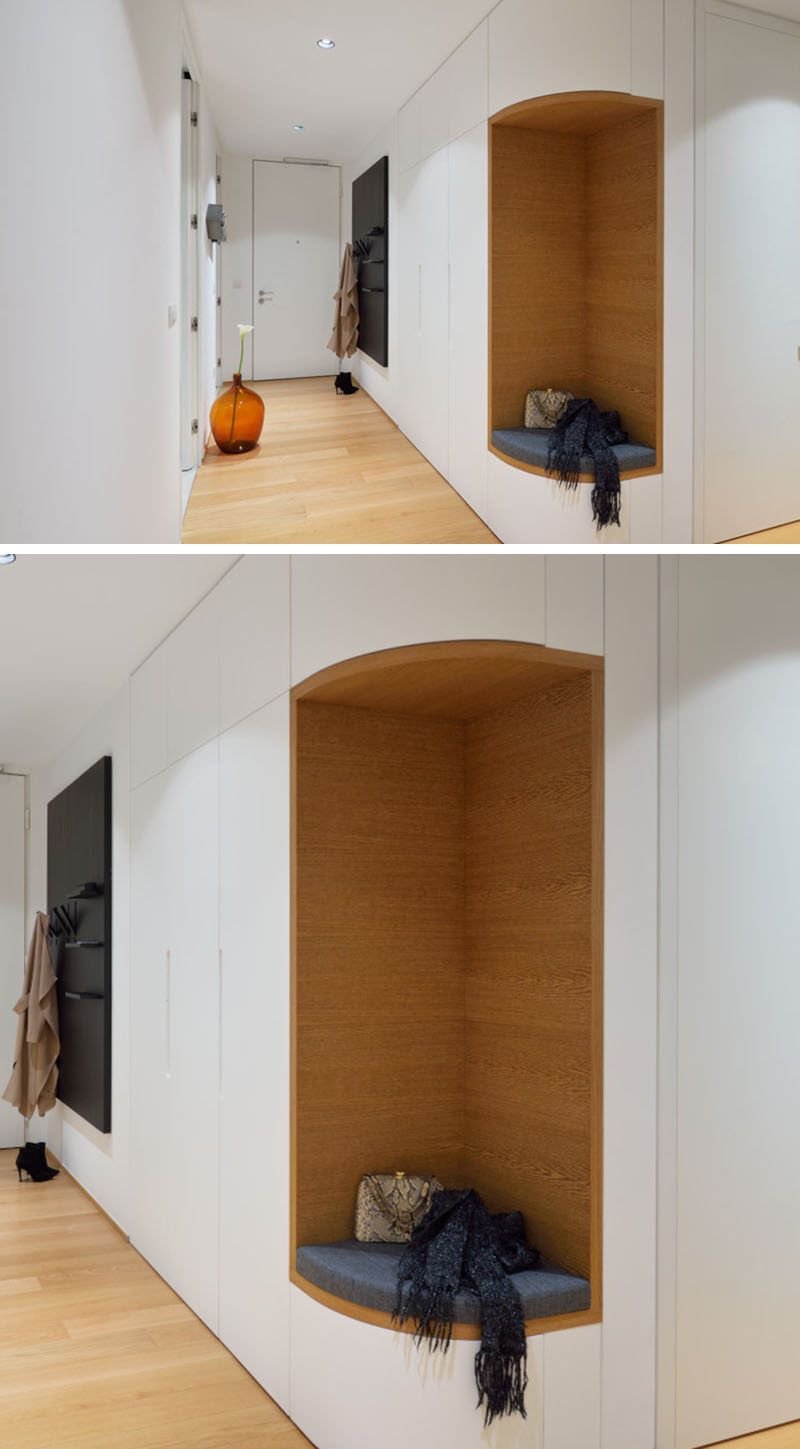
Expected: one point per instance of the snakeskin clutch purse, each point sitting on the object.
(390, 1205)
(544, 407)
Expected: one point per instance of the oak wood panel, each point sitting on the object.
(96, 1350)
(578, 305)
(469, 1331)
(538, 266)
(530, 967)
(576, 113)
(379, 939)
(328, 469)
(624, 274)
(458, 680)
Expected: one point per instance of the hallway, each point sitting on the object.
(96, 1350)
(331, 469)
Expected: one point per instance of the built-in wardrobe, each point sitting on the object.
(217, 1121)
(570, 255)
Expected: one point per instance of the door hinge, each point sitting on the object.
(195, 425)
(219, 301)
(195, 324)
(194, 118)
(219, 362)
(194, 222)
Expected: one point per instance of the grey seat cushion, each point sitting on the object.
(366, 1273)
(532, 445)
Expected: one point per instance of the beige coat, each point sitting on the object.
(35, 1074)
(344, 338)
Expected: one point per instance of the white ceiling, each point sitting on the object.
(73, 627)
(264, 71)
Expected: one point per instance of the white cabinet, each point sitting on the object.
(469, 319)
(738, 996)
(254, 1101)
(453, 101)
(175, 1026)
(253, 603)
(150, 1188)
(575, 600)
(467, 76)
(193, 1028)
(149, 718)
(424, 313)
(193, 680)
(408, 133)
(434, 113)
(576, 45)
(572, 1415)
(343, 607)
(523, 508)
(647, 48)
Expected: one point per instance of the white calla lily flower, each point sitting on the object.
(244, 329)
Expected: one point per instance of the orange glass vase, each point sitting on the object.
(237, 418)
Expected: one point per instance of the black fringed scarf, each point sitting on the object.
(459, 1247)
(584, 429)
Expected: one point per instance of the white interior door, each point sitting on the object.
(12, 939)
(296, 262)
(750, 274)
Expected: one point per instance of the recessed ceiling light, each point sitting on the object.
(326, 44)
(8, 558)
(298, 128)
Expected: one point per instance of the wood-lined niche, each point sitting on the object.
(576, 258)
(447, 939)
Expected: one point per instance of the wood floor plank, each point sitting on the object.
(96, 1350)
(329, 469)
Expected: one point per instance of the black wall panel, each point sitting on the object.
(371, 225)
(79, 880)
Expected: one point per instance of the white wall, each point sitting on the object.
(99, 1161)
(89, 265)
(380, 382)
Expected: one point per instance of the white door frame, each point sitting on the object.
(765, 21)
(280, 161)
(189, 312)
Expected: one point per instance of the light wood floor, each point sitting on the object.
(96, 1352)
(329, 469)
(787, 1437)
(788, 533)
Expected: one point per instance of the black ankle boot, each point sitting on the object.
(345, 384)
(31, 1159)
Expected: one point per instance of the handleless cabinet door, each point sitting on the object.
(576, 45)
(343, 607)
(149, 1021)
(469, 339)
(192, 840)
(423, 228)
(254, 936)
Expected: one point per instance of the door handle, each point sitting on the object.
(265, 297)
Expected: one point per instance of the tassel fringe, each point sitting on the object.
(502, 1382)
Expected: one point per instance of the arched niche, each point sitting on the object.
(576, 264)
(447, 942)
